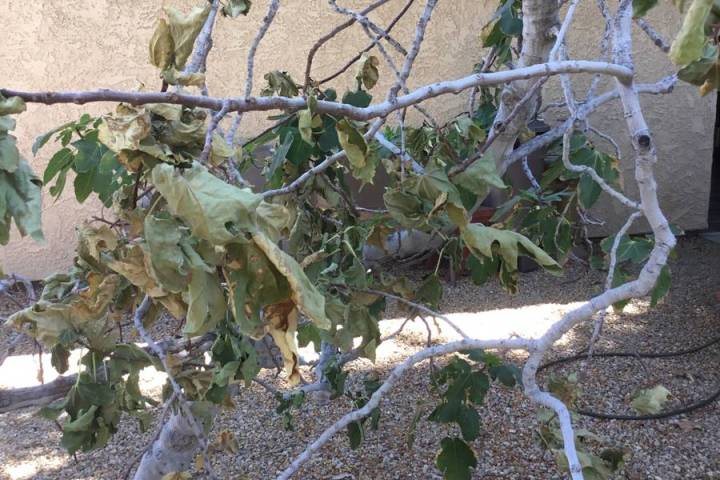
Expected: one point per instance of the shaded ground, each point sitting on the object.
(684, 447)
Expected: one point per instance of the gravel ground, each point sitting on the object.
(683, 447)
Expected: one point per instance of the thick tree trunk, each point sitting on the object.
(539, 18)
(35, 396)
(171, 452)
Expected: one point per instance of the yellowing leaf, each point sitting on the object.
(480, 176)
(125, 129)
(650, 401)
(488, 242)
(206, 303)
(162, 47)
(177, 476)
(220, 151)
(690, 41)
(226, 441)
(307, 298)
(367, 73)
(184, 29)
(282, 321)
(214, 210)
(86, 311)
(175, 77)
(92, 241)
(353, 143)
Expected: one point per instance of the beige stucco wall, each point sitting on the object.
(74, 44)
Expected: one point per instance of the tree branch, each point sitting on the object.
(238, 104)
(269, 17)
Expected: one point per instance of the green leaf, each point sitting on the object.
(636, 250)
(469, 422)
(355, 434)
(62, 160)
(82, 423)
(455, 459)
(96, 393)
(307, 332)
(662, 286)
(406, 208)
(164, 236)
(650, 401)
(702, 69)
(84, 185)
(20, 202)
(430, 291)
(9, 154)
(508, 375)
(360, 98)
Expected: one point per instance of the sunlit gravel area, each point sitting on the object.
(683, 447)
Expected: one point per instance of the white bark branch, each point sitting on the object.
(258, 104)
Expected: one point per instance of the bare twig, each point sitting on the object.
(267, 21)
(332, 34)
(610, 278)
(214, 122)
(419, 307)
(182, 401)
(653, 34)
(357, 57)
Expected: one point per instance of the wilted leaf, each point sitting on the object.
(367, 73)
(279, 83)
(215, 211)
(162, 47)
(479, 177)
(184, 29)
(487, 241)
(307, 298)
(206, 303)
(176, 77)
(282, 321)
(689, 44)
(125, 129)
(650, 401)
(352, 141)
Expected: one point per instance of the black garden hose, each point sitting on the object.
(670, 413)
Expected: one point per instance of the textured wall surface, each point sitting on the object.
(74, 44)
